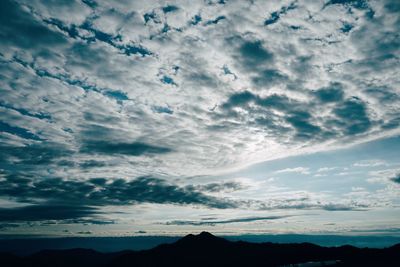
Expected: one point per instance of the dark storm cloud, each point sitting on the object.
(100, 191)
(304, 128)
(45, 212)
(254, 58)
(252, 53)
(18, 28)
(333, 93)
(24, 133)
(88, 221)
(215, 222)
(239, 99)
(132, 149)
(92, 220)
(392, 6)
(99, 139)
(353, 116)
(33, 154)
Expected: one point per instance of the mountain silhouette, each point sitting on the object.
(206, 249)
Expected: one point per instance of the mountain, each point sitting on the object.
(206, 249)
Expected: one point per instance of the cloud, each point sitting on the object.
(353, 117)
(100, 192)
(385, 177)
(45, 212)
(126, 91)
(361, 4)
(377, 230)
(302, 170)
(166, 110)
(333, 93)
(314, 205)
(84, 232)
(16, 19)
(281, 115)
(170, 8)
(92, 66)
(253, 54)
(370, 163)
(133, 149)
(96, 220)
(5, 226)
(4, 127)
(326, 169)
(396, 179)
(216, 222)
(217, 187)
(92, 164)
(33, 154)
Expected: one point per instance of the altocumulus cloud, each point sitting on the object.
(104, 89)
(130, 95)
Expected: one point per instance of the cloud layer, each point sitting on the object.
(145, 94)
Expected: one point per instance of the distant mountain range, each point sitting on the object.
(207, 250)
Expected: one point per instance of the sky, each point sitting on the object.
(126, 118)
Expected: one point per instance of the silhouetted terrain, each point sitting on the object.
(207, 250)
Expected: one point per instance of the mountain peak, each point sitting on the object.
(202, 237)
(205, 234)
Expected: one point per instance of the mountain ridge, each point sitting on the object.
(205, 249)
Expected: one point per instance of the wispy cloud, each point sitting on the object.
(370, 163)
(235, 220)
(301, 170)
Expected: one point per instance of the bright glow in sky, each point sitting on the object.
(154, 117)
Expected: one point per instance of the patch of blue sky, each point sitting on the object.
(336, 170)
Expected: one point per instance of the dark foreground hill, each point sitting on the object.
(207, 250)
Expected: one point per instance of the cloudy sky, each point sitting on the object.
(167, 117)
